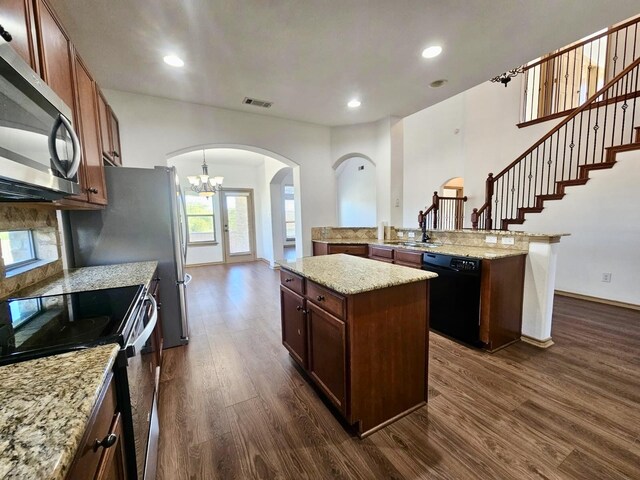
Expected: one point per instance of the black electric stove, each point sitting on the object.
(41, 326)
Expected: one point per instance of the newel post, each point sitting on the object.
(436, 203)
(489, 203)
(474, 219)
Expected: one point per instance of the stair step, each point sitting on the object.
(572, 182)
(550, 196)
(584, 169)
(524, 210)
(511, 221)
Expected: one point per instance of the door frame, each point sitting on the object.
(238, 258)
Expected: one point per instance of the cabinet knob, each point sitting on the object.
(5, 35)
(107, 442)
(298, 307)
(115, 154)
(92, 190)
(287, 280)
(320, 298)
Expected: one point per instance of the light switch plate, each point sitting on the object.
(507, 240)
(412, 234)
(491, 239)
(400, 234)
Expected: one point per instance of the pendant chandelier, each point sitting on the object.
(505, 78)
(205, 185)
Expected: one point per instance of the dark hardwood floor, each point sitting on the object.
(232, 404)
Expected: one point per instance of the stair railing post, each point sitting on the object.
(436, 203)
(489, 203)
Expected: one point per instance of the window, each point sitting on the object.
(289, 213)
(200, 219)
(17, 248)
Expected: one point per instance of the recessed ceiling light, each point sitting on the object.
(431, 52)
(173, 60)
(437, 83)
(355, 103)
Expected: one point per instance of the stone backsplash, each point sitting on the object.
(471, 238)
(44, 224)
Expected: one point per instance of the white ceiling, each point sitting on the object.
(309, 57)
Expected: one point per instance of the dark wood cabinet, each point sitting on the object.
(17, 18)
(101, 453)
(93, 168)
(294, 325)
(357, 249)
(327, 354)
(408, 258)
(55, 51)
(366, 352)
(382, 254)
(501, 297)
(109, 131)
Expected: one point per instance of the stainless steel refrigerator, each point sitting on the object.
(145, 220)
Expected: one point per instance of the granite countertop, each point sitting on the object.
(350, 275)
(45, 405)
(447, 249)
(92, 278)
(458, 250)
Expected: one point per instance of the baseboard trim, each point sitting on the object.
(206, 264)
(605, 301)
(537, 343)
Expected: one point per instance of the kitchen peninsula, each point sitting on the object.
(360, 330)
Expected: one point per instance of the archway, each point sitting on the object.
(246, 167)
(356, 191)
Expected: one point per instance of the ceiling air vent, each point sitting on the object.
(257, 103)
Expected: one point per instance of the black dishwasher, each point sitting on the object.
(455, 296)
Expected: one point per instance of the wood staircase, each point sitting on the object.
(588, 139)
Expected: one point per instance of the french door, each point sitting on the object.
(238, 225)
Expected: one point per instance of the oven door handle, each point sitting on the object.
(139, 342)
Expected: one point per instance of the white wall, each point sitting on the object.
(152, 128)
(356, 193)
(604, 223)
(475, 133)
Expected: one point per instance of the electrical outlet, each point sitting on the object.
(491, 239)
(606, 277)
(400, 234)
(507, 240)
(412, 234)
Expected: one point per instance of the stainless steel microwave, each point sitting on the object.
(39, 149)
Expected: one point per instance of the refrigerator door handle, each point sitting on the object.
(187, 279)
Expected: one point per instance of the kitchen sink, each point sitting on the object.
(415, 244)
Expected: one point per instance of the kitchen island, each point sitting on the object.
(360, 330)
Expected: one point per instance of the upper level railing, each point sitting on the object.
(445, 213)
(562, 81)
(565, 155)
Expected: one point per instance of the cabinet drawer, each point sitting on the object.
(360, 250)
(381, 252)
(292, 281)
(88, 457)
(325, 298)
(408, 258)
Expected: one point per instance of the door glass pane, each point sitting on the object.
(238, 217)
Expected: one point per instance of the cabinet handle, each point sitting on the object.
(298, 307)
(115, 154)
(299, 332)
(92, 190)
(107, 442)
(287, 280)
(320, 298)
(5, 35)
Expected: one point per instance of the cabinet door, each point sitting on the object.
(294, 325)
(55, 53)
(327, 347)
(16, 17)
(105, 125)
(112, 463)
(115, 138)
(90, 138)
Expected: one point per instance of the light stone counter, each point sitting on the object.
(447, 249)
(350, 275)
(92, 278)
(45, 405)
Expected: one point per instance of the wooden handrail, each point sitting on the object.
(579, 110)
(582, 43)
(434, 210)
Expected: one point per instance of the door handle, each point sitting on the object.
(226, 228)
